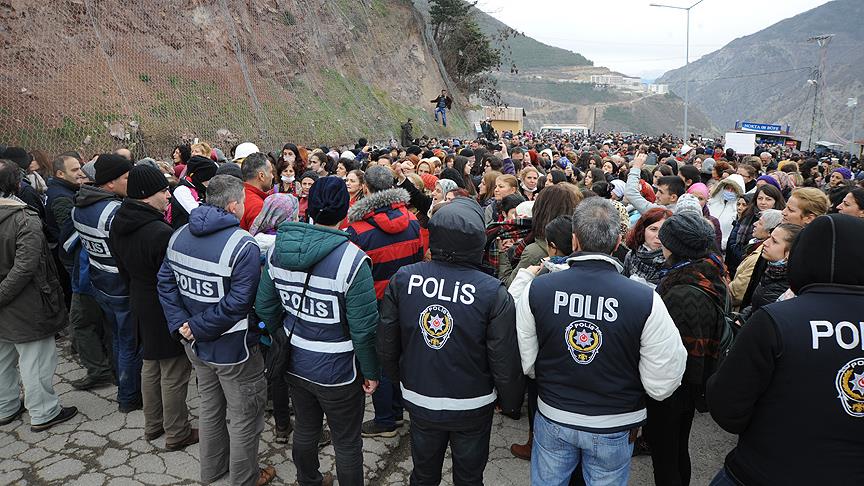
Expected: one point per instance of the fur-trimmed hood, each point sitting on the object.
(381, 200)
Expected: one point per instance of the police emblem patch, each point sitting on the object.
(850, 385)
(583, 340)
(436, 323)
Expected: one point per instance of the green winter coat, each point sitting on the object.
(298, 247)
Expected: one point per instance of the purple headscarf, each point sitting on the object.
(278, 208)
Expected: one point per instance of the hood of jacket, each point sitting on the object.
(457, 233)
(386, 210)
(734, 182)
(300, 245)
(132, 215)
(207, 219)
(828, 251)
(9, 207)
(88, 195)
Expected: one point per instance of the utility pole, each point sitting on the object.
(686, 63)
(853, 104)
(822, 41)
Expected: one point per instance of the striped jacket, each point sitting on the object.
(381, 225)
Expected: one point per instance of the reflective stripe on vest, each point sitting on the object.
(322, 346)
(590, 421)
(445, 403)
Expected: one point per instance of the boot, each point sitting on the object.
(523, 451)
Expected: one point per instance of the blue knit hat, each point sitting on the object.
(328, 201)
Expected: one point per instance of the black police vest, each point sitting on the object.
(813, 409)
(444, 310)
(589, 322)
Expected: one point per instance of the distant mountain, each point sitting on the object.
(763, 77)
(529, 53)
(526, 53)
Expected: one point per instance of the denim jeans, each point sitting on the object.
(387, 401)
(558, 449)
(127, 352)
(443, 112)
(723, 479)
(469, 446)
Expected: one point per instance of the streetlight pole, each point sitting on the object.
(853, 104)
(686, 62)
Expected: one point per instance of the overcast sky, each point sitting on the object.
(638, 40)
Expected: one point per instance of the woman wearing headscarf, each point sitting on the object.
(278, 208)
(191, 190)
(766, 197)
(723, 204)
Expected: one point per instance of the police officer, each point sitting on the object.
(95, 206)
(207, 286)
(596, 342)
(447, 333)
(792, 386)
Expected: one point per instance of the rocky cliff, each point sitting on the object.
(97, 74)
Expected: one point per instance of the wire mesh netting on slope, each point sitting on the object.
(94, 75)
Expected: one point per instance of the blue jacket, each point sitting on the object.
(209, 279)
(93, 213)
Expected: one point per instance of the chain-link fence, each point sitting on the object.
(95, 75)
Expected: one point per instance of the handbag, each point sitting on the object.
(280, 346)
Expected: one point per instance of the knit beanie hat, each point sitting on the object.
(89, 170)
(201, 169)
(309, 174)
(845, 172)
(687, 235)
(446, 186)
(429, 181)
(230, 168)
(770, 180)
(328, 201)
(453, 175)
(698, 188)
(110, 167)
(708, 165)
(688, 202)
(378, 178)
(144, 181)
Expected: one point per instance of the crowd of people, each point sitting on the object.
(618, 283)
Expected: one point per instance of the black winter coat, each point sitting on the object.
(139, 238)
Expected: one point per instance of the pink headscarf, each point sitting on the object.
(698, 188)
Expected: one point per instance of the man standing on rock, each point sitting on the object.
(139, 237)
(442, 103)
(207, 287)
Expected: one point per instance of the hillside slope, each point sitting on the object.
(729, 84)
(312, 72)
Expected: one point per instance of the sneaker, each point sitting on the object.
(90, 382)
(65, 414)
(283, 433)
(130, 407)
(192, 439)
(371, 429)
(14, 416)
(324, 441)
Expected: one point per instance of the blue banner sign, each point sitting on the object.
(761, 127)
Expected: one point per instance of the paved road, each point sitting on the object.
(102, 446)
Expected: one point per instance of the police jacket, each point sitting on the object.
(447, 330)
(92, 216)
(335, 319)
(597, 342)
(792, 386)
(209, 279)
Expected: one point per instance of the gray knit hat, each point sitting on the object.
(687, 235)
(688, 203)
(378, 178)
